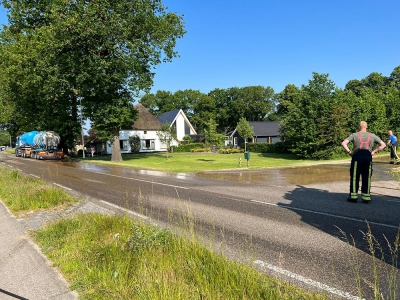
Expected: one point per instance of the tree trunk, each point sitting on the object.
(115, 148)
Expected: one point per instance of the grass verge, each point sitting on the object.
(23, 194)
(107, 257)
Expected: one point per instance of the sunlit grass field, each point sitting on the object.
(197, 162)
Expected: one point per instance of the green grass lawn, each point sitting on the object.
(197, 162)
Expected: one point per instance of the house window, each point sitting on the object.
(148, 144)
(124, 145)
(145, 132)
(187, 129)
(235, 141)
(263, 140)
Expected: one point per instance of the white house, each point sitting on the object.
(178, 119)
(146, 128)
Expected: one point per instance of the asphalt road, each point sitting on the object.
(292, 223)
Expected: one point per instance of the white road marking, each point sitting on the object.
(142, 180)
(34, 176)
(91, 180)
(325, 214)
(126, 210)
(61, 186)
(308, 281)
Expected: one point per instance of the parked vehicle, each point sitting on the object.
(39, 145)
(2, 148)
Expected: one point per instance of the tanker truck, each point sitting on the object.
(39, 145)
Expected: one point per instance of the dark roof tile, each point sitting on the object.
(266, 128)
(168, 117)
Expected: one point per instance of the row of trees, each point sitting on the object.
(315, 117)
(64, 59)
(224, 106)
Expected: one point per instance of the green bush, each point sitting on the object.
(260, 147)
(188, 147)
(200, 150)
(134, 142)
(230, 151)
(187, 140)
(278, 147)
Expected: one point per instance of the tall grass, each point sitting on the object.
(21, 193)
(389, 275)
(108, 257)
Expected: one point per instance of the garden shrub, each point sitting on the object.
(278, 147)
(134, 142)
(188, 147)
(260, 147)
(230, 151)
(200, 150)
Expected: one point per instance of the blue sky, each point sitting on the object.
(237, 43)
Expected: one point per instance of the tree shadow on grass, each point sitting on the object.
(205, 160)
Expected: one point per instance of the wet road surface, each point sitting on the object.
(291, 222)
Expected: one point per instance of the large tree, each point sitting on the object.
(301, 128)
(98, 54)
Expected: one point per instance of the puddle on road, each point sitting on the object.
(278, 177)
(298, 175)
(119, 171)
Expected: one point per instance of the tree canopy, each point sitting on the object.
(317, 117)
(98, 54)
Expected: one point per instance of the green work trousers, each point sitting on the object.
(361, 166)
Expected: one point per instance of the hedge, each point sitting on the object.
(188, 147)
(266, 147)
(230, 151)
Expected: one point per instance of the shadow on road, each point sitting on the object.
(330, 212)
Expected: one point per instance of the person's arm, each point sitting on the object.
(382, 146)
(346, 147)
